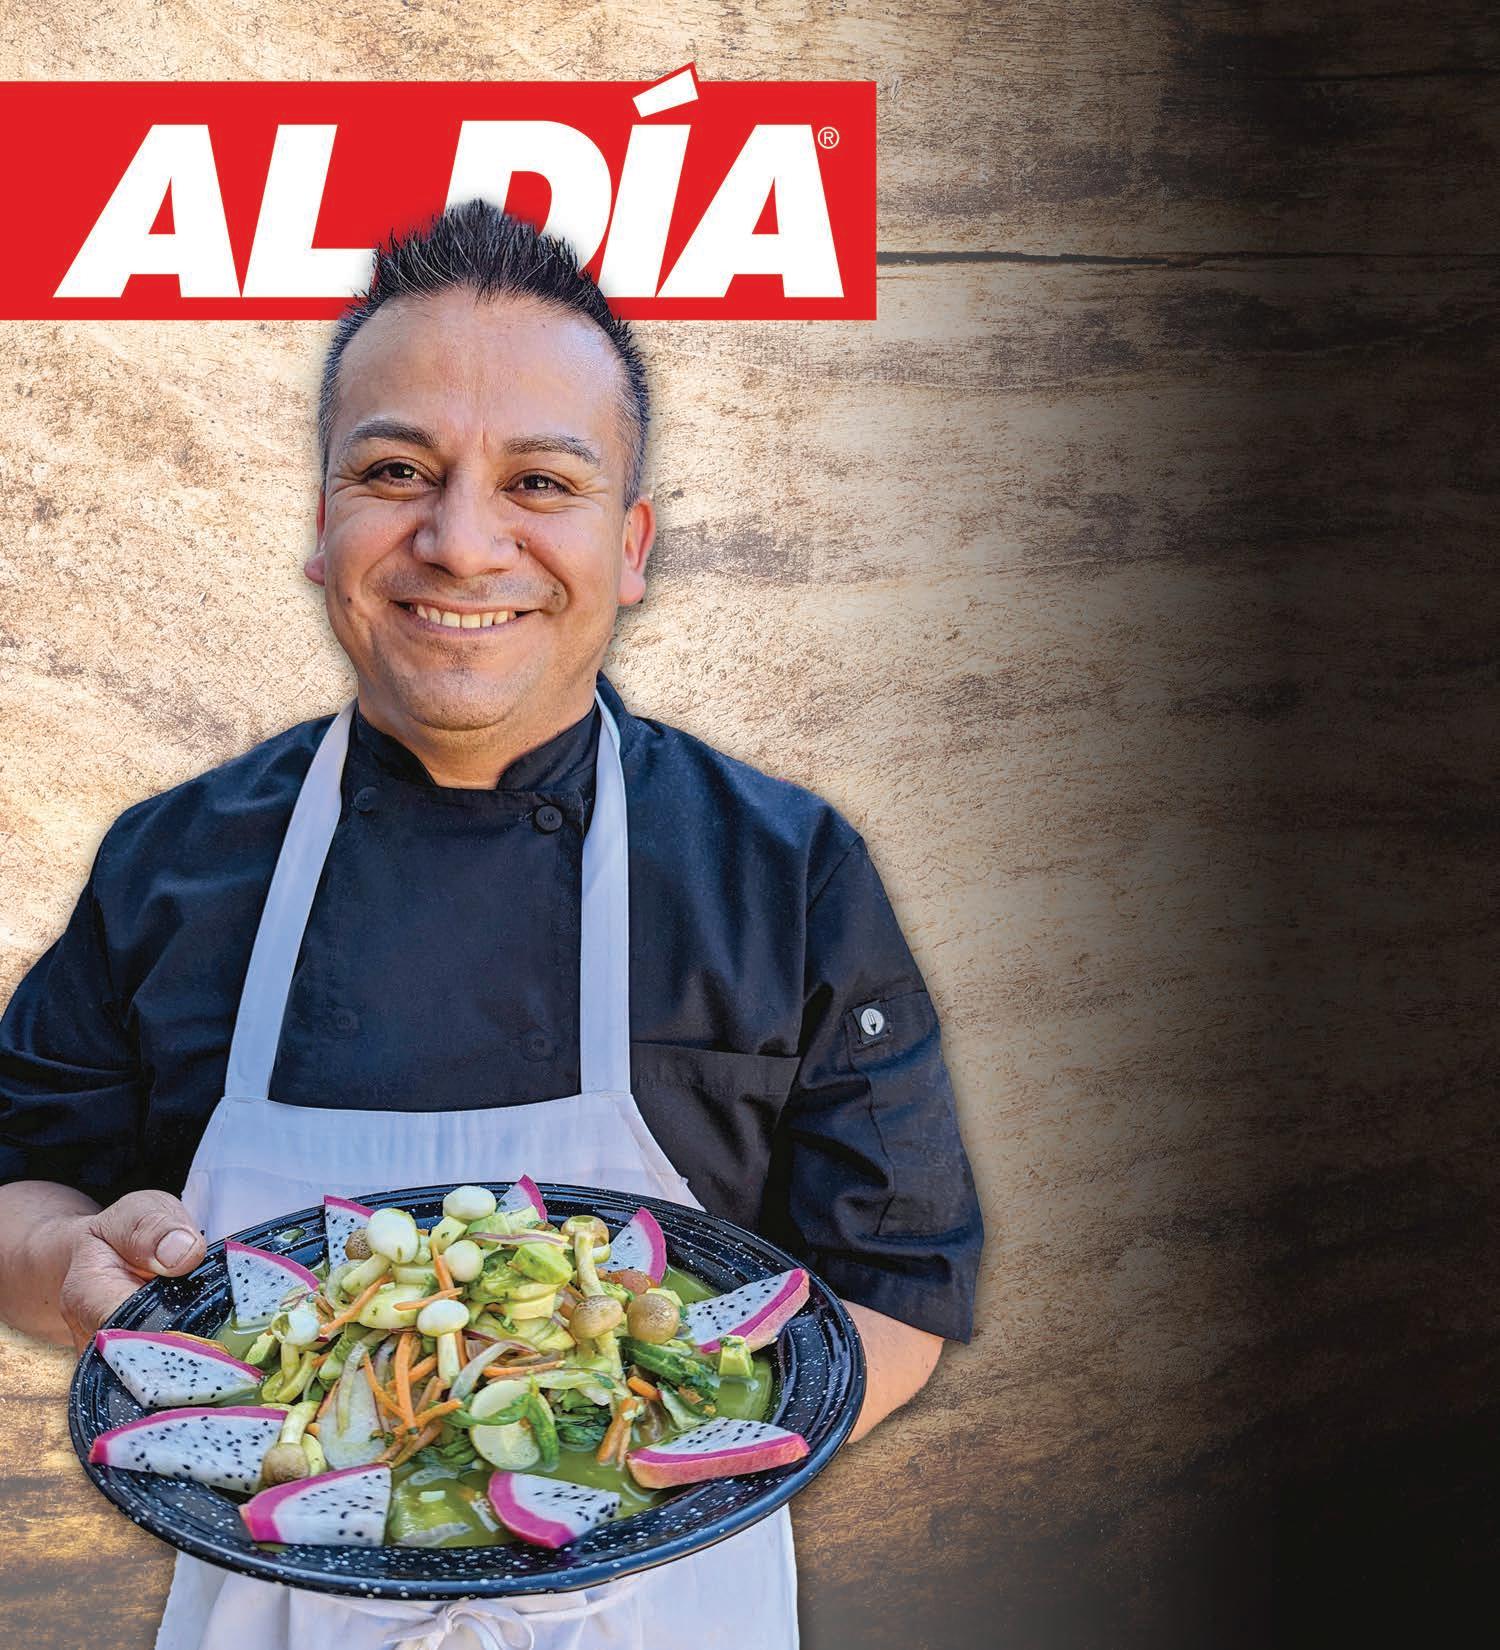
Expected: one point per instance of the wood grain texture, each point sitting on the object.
(1136, 613)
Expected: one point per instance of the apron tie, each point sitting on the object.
(493, 1632)
(496, 1624)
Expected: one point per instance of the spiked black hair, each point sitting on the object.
(476, 245)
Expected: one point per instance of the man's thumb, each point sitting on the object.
(152, 1232)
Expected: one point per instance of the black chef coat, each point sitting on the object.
(784, 1051)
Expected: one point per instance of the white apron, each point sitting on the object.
(259, 1158)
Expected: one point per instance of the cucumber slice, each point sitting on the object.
(510, 1447)
(542, 1307)
(494, 1397)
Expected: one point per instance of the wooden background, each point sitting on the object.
(1125, 583)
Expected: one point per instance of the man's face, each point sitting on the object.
(474, 541)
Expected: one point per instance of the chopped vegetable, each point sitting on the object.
(403, 1377)
(341, 1318)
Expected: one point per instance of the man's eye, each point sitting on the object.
(388, 471)
(534, 482)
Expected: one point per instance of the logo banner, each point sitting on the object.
(155, 200)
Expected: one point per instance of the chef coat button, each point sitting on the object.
(871, 1022)
(547, 818)
(366, 799)
(345, 1019)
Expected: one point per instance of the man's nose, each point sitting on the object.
(470, 532)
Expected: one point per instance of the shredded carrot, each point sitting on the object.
(381, 1400)
(420, 1441)
(416, 1306)
(611, 1441)
(444, 1276)
(513, 1370)
(628, 1412)
(327, 1400)
(645, 1388)
(432, 1414)
(351, 1311)
(417, 1371)
(403, 1376)
(429, 1394)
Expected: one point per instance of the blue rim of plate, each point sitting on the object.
(818, 1369)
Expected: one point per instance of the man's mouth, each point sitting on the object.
(457, 618)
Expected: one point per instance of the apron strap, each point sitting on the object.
(268, 980)
(604, 951)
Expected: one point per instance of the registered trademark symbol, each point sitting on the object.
(828, 137)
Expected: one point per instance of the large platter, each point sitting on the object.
(819, 1375)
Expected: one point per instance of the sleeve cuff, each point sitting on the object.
(940, 1310)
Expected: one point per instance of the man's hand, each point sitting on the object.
(144, 1235)
(68, 1263)
(898, 1361)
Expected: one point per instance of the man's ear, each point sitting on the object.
(315, 566)
(640, 534)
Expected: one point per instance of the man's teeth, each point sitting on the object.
(460, 621)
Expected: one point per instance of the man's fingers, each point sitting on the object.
(152, 1232)
(143, 1235)
(96, 1283)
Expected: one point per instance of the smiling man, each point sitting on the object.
(485, 921)
(483, 506)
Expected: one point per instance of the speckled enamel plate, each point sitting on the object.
(820, 1381)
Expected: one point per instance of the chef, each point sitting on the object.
(485, 920)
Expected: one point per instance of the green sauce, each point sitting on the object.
(459, 1515)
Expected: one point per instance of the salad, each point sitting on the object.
(501, 1375)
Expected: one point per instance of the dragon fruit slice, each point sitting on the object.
(522, 1195)
(220, 1447)
(755, 1311)
(640, 1246)
(717, 1449)
(259, 1281)
(548, 1512)
(341, 1217)
(163, 1367)
(344, 1508)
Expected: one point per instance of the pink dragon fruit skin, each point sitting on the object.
(219, 1446)
(344, 1508)
(718, 1449)
(640, 1246)
(548, 1512)
(258, 1281)
(756, 1311)
(341, 1217)
(523, 1192)
(161, 1368)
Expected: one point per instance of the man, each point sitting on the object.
(457, 959)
